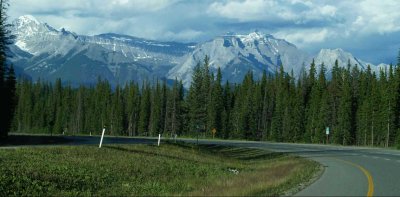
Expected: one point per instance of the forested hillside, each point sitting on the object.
(360, 107)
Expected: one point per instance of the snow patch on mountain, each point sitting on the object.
(27, 19)
(329, 56)
(22, 45)
(237, 54)
(44, 52)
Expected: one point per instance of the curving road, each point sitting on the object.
(349, 171)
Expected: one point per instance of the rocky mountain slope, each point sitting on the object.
(41, 51)
(46, 53)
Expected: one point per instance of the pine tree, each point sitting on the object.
(79, 110)
(170, 114)
(6, 87)
(23, 118)
(145, 109)
(206, 90)
(3, 100)
(10, 101)
(398, 59)
(396, 86)
(217, 104)
(132, 96)
(264, 106)
(355, 90)
(322, 119)
(390, 102)
(58, 127)
(334, 92)
(313, 105)
(117, 107)
(199, 95)
(226, 114)
(155, 110)
(363, 109)
(277, 126)
(296, 128)
(342, 134)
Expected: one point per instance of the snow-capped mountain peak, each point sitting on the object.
(252, 37)
(28, 25)
(236, 54)
(44, 52)
(329, 56)
(27, 19)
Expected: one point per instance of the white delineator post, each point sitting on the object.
(327, 135)
(102, 135)
(159, 138)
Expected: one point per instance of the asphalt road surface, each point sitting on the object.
(349, 171)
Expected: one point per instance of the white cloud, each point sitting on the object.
(132, 17)
(306, 23)
(296, 11)
(186, 35)
(381, 16)
(100, 8)
(242, 10)
(305, 37)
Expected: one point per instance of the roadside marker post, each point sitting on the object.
(102, 136)
(327, 135)
(213, 132)
(159, 138)
(198, 131)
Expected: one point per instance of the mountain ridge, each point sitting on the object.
(43, 52)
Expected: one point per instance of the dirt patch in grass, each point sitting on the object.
(270, 179)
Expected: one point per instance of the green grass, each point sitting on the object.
(126, 170)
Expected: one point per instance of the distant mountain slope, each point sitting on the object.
(41, 51)
(44, 52)
(329, 56)
(237, 54)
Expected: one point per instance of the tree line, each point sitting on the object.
(7, 75)
(360, 107)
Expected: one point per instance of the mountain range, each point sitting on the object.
(43, 52)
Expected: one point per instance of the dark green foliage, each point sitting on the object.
(7, 75)
(144, 115)
(342, 134)
(10, 100)
(358, 107)
(398, 59)
(199, 97)
(216, 105)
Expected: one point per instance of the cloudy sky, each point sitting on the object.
(370, 29)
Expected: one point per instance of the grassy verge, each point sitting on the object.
(120, 170)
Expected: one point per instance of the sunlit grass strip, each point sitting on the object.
(126, 170)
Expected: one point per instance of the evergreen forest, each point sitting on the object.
(360, 107)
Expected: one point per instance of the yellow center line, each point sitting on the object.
(366, 173)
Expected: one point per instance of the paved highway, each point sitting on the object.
(348, 171)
